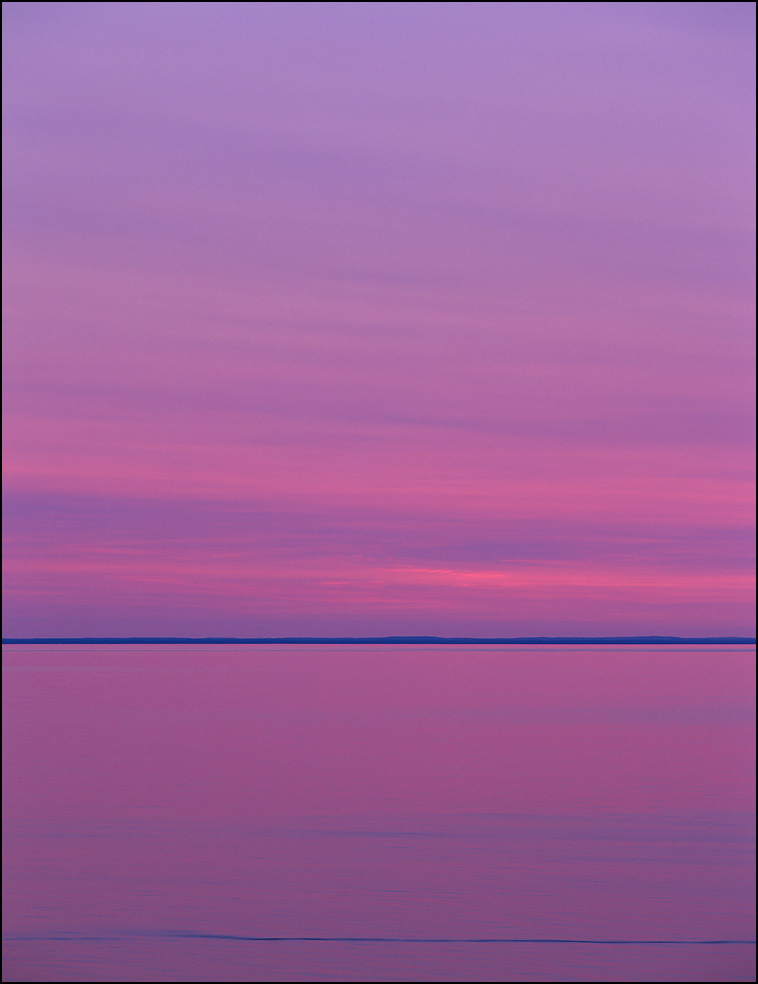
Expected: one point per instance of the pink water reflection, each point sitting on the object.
(570, 793)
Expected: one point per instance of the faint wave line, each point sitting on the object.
(73, 938)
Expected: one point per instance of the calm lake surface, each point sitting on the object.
(378, 813)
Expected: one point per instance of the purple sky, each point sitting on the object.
(378, 318)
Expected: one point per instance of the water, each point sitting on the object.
(378, 813)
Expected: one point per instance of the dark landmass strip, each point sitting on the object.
(402, 640)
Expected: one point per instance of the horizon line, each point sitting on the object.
(387, 640)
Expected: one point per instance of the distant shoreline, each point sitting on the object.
(391, 640)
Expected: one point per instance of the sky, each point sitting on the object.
(378, 318)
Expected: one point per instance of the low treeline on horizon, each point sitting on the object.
(389, 640)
